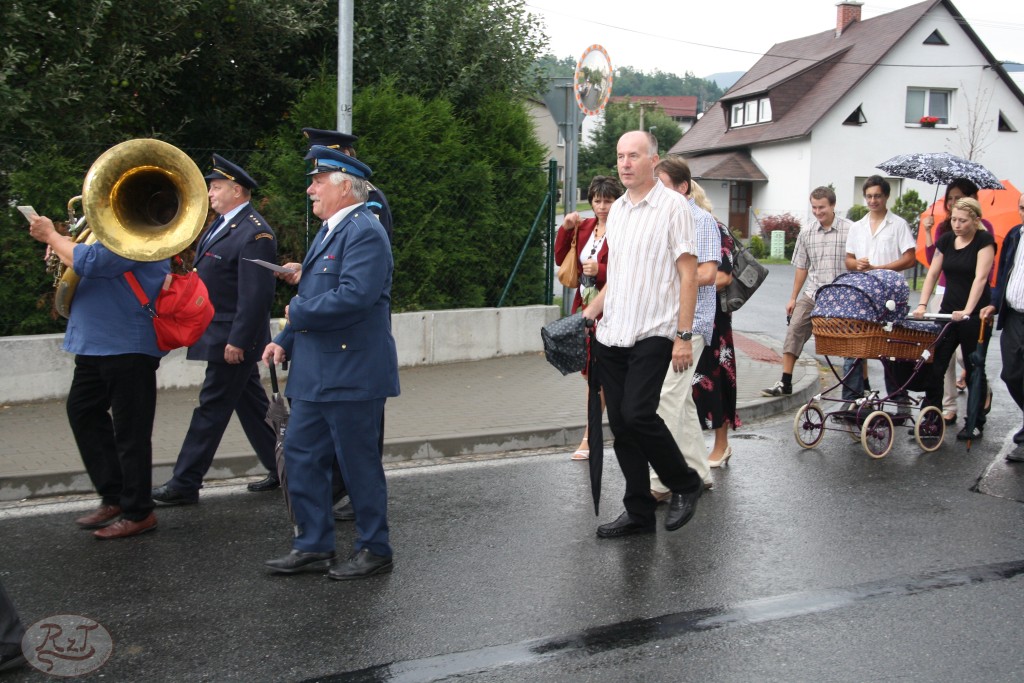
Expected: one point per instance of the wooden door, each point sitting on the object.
(739, 207)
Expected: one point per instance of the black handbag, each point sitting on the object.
(565, 343)
(747, 276)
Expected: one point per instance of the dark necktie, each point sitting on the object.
(214, 227)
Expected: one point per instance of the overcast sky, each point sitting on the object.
(711, 36)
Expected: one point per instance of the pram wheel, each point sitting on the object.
(930, 429)
(809, 426)
(876, 435)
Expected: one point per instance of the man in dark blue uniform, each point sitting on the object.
(378, 205)
(241, 293)
(343, 367)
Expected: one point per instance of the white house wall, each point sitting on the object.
(841, 153)
(788, 168)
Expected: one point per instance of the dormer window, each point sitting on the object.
(750, 112)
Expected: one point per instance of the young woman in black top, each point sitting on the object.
(965, 256)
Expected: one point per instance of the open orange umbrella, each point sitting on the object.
(998, 207)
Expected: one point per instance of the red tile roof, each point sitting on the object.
(671, 105)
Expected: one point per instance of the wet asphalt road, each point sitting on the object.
(800, 565)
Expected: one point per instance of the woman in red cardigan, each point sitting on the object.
(591, 250)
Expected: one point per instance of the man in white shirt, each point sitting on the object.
(648, 305)
(879, 241)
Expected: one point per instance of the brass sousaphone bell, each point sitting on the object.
(144, 200)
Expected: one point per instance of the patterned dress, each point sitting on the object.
(714, 381)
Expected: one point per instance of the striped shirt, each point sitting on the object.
(822, 252)
(1014, 295)
(709, 248)
(644, 241)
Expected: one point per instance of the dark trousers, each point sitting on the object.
(338, 488)
(346, 431)
(1010, 344)
(964, 335)
(631, 378)
(111, 407)
(11, 628)
(226, 389)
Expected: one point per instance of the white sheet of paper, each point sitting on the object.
(28, 212)
(271, 266)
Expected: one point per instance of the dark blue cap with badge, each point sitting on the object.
(334, 139)
(227, 170)
(327, 160)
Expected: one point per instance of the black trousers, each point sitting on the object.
(964, 335)
(226, 389)
(631, 378)
(111, 407)
(1010, 344)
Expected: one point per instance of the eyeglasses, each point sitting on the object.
(874, 196)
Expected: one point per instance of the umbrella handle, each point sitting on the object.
(981, 331)
(273, 377)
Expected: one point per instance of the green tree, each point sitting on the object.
(633, 83)
(598, 158)
(909, 207)
(461, 50)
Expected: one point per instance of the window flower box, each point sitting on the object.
(928, 121)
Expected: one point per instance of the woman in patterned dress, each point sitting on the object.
(714, 382)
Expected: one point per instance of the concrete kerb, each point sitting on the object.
(804, 389)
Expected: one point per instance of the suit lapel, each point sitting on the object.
(224, 231)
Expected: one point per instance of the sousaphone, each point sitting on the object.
(144, 200)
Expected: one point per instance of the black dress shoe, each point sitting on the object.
(360, 565)
(1015, 456)
(624, 526)
(1018, 438)
(681, 509)
(165, 495)
(964, 435)
(345, 513)
(297, 561)
(15, 660)
(268, 483)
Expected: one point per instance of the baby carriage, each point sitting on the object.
(864, 315)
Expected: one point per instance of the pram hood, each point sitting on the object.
(878, 296)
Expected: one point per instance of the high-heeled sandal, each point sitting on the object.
(724, 462)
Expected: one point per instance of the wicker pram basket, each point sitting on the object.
(851, 338)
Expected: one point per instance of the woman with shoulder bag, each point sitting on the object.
(591, 253)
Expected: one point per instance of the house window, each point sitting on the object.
(935, 39)
(751, 112)
(927, 102)
(1004, 125)
(737, 115)
(856, 118)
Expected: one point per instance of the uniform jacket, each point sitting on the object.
(1007, 255)
(241, 292)
(379, 207)
(339, 335)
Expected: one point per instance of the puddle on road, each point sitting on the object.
(643, 631)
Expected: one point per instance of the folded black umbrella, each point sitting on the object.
(595, 426)
(565, 343)
(977, 386)
(277, 417)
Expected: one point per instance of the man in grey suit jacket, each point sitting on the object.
(343, 367)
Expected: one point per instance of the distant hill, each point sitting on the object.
(725, 79)
(1013, 66)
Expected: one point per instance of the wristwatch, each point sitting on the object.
(685, 335)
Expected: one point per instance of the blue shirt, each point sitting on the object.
(106, 317)
(709, 248)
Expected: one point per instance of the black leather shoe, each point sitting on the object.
(1015, 456)
(360, 565)
(165, 495)
(345, 513)
(681, 509)
(1018, 438)
(964, 435)
(268, 483)
(15, 660)
(624, 526)
(297, 561)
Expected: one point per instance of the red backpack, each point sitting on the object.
(182, 312)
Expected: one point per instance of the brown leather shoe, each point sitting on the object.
(100, 517)
(123, 528)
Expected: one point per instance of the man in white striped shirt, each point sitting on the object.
(648, 305)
